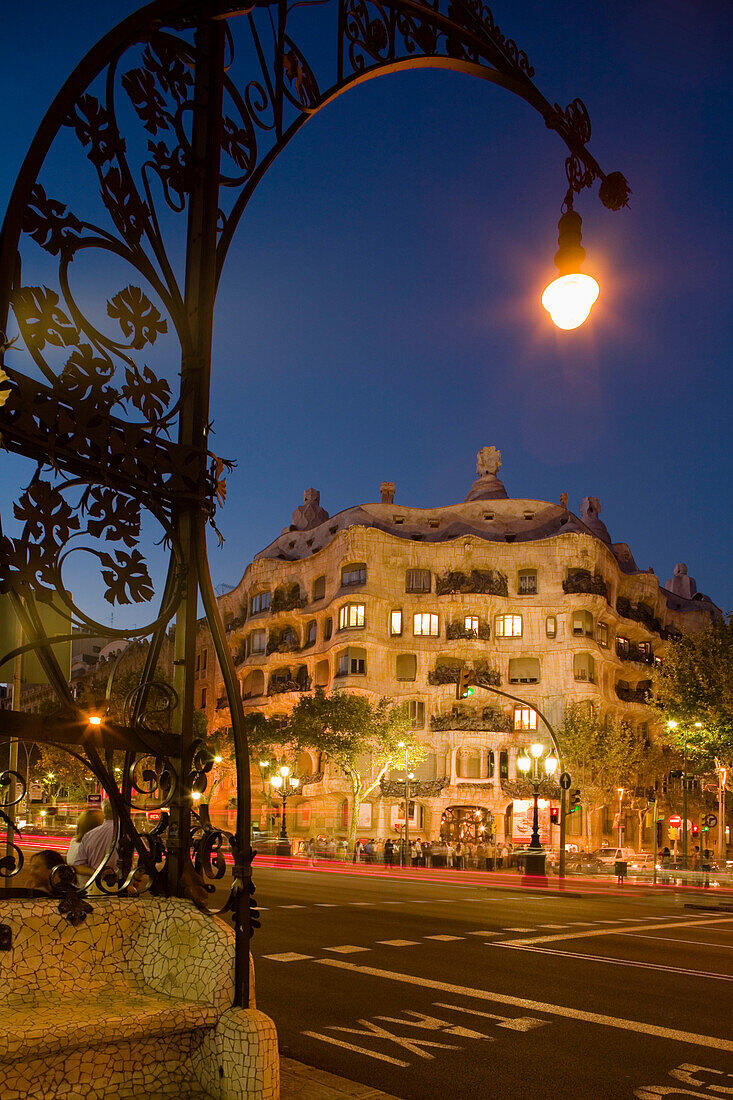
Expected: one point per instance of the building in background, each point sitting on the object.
(388, 600)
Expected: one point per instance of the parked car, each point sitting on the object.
(609, 857)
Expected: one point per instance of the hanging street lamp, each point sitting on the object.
(570, 297)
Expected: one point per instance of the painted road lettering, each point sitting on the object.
(695, 1077)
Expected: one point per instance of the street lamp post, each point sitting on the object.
(285, 785)
(621, 792)
(536, 855)
(409, 776)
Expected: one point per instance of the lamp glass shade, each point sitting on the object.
(277, 781)
(523, 763)
(285, 771)
(294, 781)
(569, 298)
(536, 749)
(551, 765)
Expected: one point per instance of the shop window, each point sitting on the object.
(525, 718)
(527, 582)
(508, 626)
(319, 588)
(584, 667)
(524, 670)
(425, 625)
(406, 666)
(353, 574)
(583, 624)
(351, 615)
(395, 623)
(417, 580)
(551, 626)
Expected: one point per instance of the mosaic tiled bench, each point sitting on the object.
(133, 1004)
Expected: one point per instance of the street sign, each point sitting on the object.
(711, 821)
(94, 799)
(675, 821)
(565, 781)
(35, 792)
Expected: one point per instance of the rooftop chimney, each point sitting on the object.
(387, 491)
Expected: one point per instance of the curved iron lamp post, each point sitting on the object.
(177, 113)
(285, 785)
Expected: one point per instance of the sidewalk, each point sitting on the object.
(307, 1083)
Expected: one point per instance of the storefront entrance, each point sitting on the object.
(467, 824)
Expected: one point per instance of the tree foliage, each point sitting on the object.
(362, 739)
(695, 685)
(601, 755)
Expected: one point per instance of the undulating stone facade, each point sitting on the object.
(389, 600)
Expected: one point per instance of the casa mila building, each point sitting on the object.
(387, 600)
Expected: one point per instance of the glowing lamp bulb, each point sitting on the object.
(551, 765)
(95, 720)
(569, 298)
(196, 795)
(523, 763)
(218, 759)
(285, 771)
(536, 750)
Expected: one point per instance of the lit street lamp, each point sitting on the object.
(286, 785)
(569, 298)
(535, 856)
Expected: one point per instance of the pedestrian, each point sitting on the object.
(480, 856)
(331, 848)
(415, 852)
(87, 820)
(369, 852)
(95, 846)
(388, 852)
(506, 853)
(696, 865)
(450, 853)
(357, 851)
(706, 864)
(665, 859)
(41, 865)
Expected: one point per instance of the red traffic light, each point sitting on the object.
(554, 815)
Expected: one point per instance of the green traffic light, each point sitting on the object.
(467, 692)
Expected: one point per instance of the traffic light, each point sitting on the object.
(575, 801)
(554, 815)
(695, 830)
(463, 687)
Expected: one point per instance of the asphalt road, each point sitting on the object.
(449, 987)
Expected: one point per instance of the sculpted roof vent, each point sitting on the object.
(487, 485)
(387, 490)
(590, 513)
(309, 514)
(680, 583)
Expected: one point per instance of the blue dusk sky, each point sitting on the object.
(379, 314)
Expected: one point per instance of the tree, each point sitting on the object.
(58, 771)
(365, 741)
(601, 755)
(695, 685)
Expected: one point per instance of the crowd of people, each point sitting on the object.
(460, 855)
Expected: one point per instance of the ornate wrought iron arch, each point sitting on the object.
(178, 112)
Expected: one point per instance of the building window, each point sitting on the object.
(508, 626)
(644, 648)
(503, 764)
(311, 632)
(260, 602)
(395, 623)
(425, 625)
(321, 674)
(203, 698)
(622, 647)
(328, 629)
(257, 641)
(524, 670)
(584, 667)
(353, 574)
(602, 635)
(351, 615)
(583, 624)
(470, 624)
(490, 763)
(527, 582)
(417, 580)
(357, 662)
(319, 588)
(416, 713)
(406, 666)
(551, 626)
(342, 663)
(525, 718)
(253, 684)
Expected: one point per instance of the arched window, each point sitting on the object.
(253, 684)
(583, 624)
(584, 667)
(406, 666)
(353, 574)
(305, 765)
(524, 670)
